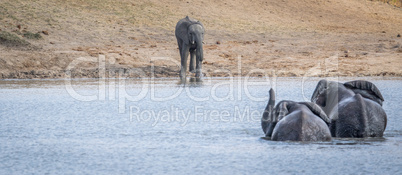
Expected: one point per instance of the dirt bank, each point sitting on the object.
(89, 39)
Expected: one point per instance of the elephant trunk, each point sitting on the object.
(267, 122)
(192, 39)
(270, 129)
(271, 102)
(199, 51)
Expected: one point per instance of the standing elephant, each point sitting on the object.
(190, 36)
(294, 121)
(354, 107)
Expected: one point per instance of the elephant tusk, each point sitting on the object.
(203, 42)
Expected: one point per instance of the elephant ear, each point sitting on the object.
(317, 111)
(365, 89)
(320, 92)
(182, 29)
(281, 110)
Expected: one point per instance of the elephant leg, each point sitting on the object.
(198, 72)
(184, 55)
(192, 60)
(179, 43)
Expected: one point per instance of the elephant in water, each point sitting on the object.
(190, 36)
(294, 121)
(355, 108)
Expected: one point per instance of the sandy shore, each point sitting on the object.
(347, 38)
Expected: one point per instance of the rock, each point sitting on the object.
(78, 49)
(218, 42)
(207, 63)
(45, 32)
(399, 35)
(346, 53)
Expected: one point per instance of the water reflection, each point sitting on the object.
(335, 141)
(358, 141)
(192, 82)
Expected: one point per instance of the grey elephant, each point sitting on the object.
(294, 121)
(355, 108)
(190, 36)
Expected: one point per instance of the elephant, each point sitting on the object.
(190, 36)
(294, 121)
(355, 108)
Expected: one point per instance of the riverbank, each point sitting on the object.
(136, 39)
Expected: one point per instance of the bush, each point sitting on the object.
(31, 35)
(10, 39)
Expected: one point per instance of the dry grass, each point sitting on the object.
(230, 16)
(10, 39)
(132, 31)
(396, 3)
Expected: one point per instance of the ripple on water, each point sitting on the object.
(43, 129)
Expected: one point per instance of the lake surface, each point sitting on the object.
(157, 126)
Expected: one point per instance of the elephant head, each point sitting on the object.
(327, 95)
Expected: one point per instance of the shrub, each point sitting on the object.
(10, 39)
(31, 35)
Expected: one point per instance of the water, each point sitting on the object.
(136, 126)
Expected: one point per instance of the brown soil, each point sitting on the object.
(243, 38)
